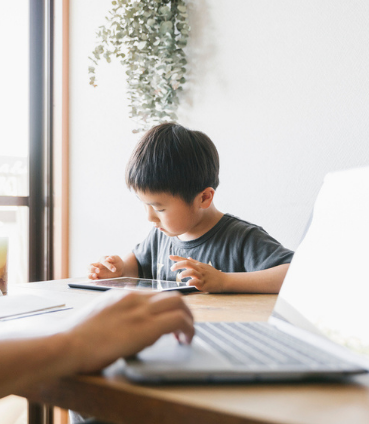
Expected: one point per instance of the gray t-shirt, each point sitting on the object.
(232, 245)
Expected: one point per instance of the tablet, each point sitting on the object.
(128, 283)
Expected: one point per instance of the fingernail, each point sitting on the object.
(183, 339)
(113, 269)
(97, 270)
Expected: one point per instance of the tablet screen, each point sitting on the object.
(128, 283)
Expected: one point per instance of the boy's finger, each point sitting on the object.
(184, 264)
(176, 258)
(93, 270)
(113, 258)
(110, 266)
(92, 266)
(180, 258)
(199, 284)
(190, 273)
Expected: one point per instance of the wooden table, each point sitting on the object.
(111, 397)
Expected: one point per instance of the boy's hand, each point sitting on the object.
(203, 276)
(107, 267)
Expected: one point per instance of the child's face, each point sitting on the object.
(170, 214)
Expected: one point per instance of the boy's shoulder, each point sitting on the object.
(231, 228)
(234, 229)
(234, 222)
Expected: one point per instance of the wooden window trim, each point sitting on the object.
(61, 141)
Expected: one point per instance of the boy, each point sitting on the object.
(174, 172)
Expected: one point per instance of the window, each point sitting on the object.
(14, 136)
(26, 138)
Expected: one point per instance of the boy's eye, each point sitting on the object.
(162, 210)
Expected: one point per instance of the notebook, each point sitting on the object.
(19, 305)
(318, 327)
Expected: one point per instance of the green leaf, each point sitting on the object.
(141, 45)
(164, 10)
(153, 57)
(165, 27)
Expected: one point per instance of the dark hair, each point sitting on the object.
(170, 158)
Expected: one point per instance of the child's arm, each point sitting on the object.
(207, 278)
(113, 267)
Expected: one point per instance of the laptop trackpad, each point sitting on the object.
(168, 353)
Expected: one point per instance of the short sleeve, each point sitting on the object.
(261, 251)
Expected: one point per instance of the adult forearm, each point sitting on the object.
(135, 321)
(265, 281)
(29, 361)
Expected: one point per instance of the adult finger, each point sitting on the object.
(175, 322)
(164, 302)
(132, 299)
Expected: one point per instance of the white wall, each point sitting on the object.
(281, 87)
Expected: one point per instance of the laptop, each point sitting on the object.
(319, 326)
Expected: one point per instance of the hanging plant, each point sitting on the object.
(148, 37)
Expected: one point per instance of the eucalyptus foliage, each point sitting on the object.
(148, 38)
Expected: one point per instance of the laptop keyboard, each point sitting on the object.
(258, 343)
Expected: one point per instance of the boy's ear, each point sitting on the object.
(206, 197)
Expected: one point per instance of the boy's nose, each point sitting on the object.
(151, 216)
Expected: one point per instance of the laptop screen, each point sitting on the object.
(327, 286)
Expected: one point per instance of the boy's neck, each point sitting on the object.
(208, 219)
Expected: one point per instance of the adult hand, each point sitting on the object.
(203, 276)
(107, 267)
(125, 326)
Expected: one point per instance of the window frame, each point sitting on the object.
(41, 119)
